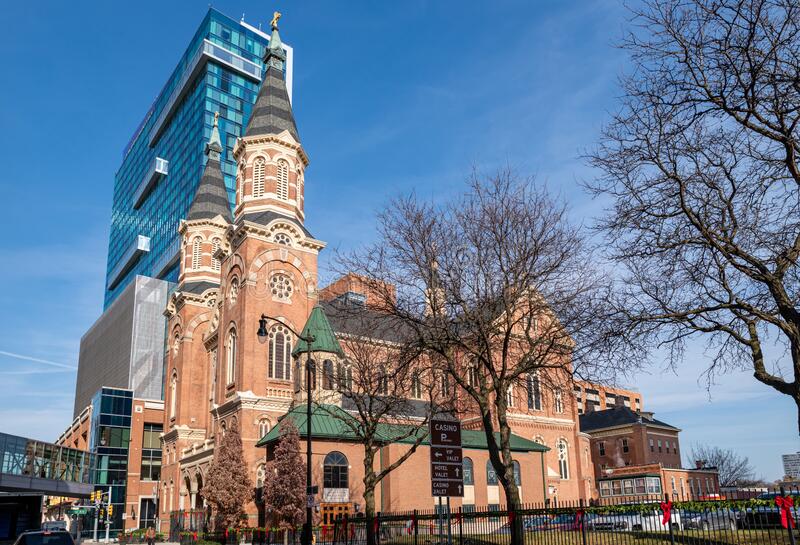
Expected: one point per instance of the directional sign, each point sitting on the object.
(447, 488)
(446, 472)
(446, 455)
(446, 433)
(447, 476)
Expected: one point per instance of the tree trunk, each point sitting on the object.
(369, 494)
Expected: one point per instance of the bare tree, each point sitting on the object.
(380, 392)
(734, 469)
(494, 286)
(701, 168)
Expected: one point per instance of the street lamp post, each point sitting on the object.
(262, 333)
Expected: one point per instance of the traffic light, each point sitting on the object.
(91, 497)
(110, 511)
(101, 513)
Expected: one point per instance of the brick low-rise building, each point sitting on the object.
(634, 454)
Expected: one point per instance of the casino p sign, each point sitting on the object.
(447, 478)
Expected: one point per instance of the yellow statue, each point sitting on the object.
(274, 22)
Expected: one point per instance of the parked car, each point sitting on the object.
(764, 516)
(52, 525)
(529, 524)
(710, 519)
(648, 520)
(45, 537)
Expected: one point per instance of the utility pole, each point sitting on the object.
(108, 520)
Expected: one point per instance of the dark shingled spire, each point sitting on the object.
(272, 113)
(211, 198)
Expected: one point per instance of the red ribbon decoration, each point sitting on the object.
(666, 507)
(195, 536)
(226, 534)
(458, 518)
(511, 517)
(413, 523)
(785, 505)
(579, 519)
(375, 526)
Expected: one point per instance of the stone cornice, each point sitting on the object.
(183, 432)
(533, 418)
(244, 141)
(276, 400)
(248, 229)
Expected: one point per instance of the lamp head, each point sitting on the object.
(262, 327)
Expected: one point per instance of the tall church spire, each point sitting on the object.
(272, 113)
(211, 198)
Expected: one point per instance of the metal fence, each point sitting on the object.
(725, 520)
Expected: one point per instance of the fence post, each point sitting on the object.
(460, 526)
(789, 520)
(377, 527)
(415, 522)
(582, 522)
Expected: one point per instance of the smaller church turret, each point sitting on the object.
(205, 226)
(271, 160)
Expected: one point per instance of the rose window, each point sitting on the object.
(281, 286)
(283, 238)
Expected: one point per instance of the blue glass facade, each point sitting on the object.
(109, 441)
(161, 166)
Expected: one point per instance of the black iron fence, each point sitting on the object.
(768, 518)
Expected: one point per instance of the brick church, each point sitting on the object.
(221, 374)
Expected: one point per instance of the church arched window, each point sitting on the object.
(173, 395)
(280, 353)
(196, 253)
(215, 263)
(230, 370)
(258, 176)
(283, 180)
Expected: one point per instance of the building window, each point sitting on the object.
(416, 386)
(382, 381)
(625, 444)
(517, 473)
(280, 284)
(558, 403)
(605, 489)
(491, 474)
(215, 263)
(283, 180)
(653, 485)
(344, 376)
(627, 487)
(263, 427)
(258, 176)
(280, 353)
(659, 445)
(510, 396)
(151, 452)
(472, 376)
(534, 392)
(641, 487)
(601, 447)
(173, 395)
(445, 385)
(282, 238)
(234, 291)
(230, 368)
(652, 448)
(328, 379)
(196, 253)
(147, 512)
(334, 471)
(563, 461)
(468, 472)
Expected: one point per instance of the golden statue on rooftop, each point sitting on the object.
(274, 22)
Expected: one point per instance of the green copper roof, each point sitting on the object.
(320, 329)
(330, 422)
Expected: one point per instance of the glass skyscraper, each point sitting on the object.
(220, 71)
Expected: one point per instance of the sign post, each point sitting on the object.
(447, 470)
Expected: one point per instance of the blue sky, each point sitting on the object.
(389, 97)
